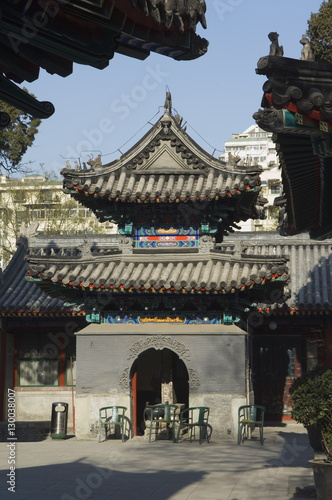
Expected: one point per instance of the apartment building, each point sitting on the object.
(255, 146)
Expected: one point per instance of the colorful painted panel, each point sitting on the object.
(167, 319)
(166, 238)
(298, 121)
(189, 319)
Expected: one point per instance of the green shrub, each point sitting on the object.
(312, 403)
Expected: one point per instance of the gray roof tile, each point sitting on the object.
(22, 297)
(309, 264)
(309, 271)
(214, 271)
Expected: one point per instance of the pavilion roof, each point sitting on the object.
(103, 266)
(236, 261)
(98, 269)
(297, 106)
(55, 35)
(166, 166)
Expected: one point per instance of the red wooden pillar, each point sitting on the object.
(134, 401)
(62, 369)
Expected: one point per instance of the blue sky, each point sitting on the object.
(99, 111)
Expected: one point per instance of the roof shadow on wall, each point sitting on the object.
(313, 291)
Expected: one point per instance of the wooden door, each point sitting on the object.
(277, 360)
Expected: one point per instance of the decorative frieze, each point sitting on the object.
(159, 342)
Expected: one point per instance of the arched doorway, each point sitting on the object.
(157, 376)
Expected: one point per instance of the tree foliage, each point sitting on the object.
(320, 32)
(16, 138)
(40, 199)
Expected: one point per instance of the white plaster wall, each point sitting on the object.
(223, 412)
(37, 405)
(87, 411)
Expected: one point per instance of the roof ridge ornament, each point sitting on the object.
(95, 163)
(29, 230)
(275, 48)
(168, 104)
(167, 116)
(176, 13)
(306, 53)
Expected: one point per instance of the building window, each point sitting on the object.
(275, 189)
(46, 360)
(35, 214)
(21, 216)
(291, 362)
(46, 195)
(19, 196)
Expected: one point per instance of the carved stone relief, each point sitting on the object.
(159, 342)
(194, 380)
(124, 381)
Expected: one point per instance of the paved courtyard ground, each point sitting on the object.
(137, 470)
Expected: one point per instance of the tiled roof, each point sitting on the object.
(24, 298)
(307, 84)
(140, 273)
(70, 269)
(129, 186)
(244, 258)
(309, 267)
(166, 167)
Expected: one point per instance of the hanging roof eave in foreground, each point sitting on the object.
(296, 106)
(35, 36)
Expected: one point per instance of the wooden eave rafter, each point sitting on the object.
(54, 35)
(297, 106)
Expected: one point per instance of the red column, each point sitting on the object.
(134, 401)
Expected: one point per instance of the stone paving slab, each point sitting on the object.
(137, 470)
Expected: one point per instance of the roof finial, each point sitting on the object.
(168, 103)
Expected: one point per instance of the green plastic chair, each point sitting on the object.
(195, 416)
(113, 416)
(250, 417)
(162, 414)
